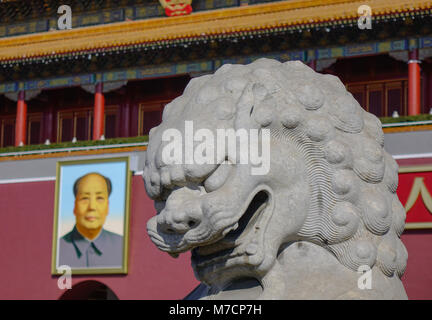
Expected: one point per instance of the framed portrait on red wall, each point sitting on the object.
(91, 216)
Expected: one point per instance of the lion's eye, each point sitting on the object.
(218, 178)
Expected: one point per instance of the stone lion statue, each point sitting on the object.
(320, 224)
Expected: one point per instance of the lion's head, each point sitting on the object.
(330, 182)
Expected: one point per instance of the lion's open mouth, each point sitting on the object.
(235, 243)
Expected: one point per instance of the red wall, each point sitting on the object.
(26, 211)
(417, 278)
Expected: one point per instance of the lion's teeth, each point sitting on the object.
(226, 231)
(252, 248)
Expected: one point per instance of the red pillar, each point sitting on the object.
(99, 110)
(21, 120)
(413, 83)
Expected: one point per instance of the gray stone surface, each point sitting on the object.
(408, 143)
(326, 208)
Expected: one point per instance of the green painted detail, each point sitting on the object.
(426, 42)
(420, 117)
(323, 54)
(384, 46)
(356, 50)
(310, 55)
(141, 12)
(209, 4)
(131, 74)
(129, 13)
(59, 82)
(17, 29)
(149, 11)
(413, 43)
(8, 87)
(91, 19)
(337, 52)
(181, 68)
(32, 27)
(399, 45)
(53, 23)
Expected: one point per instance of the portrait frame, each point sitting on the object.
(118, 171)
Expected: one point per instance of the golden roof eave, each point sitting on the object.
(206, 23)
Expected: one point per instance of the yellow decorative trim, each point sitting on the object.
(419, 189)
(418, 225)
(416, 168)
(246, 18)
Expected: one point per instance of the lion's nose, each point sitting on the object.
(178, 222)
